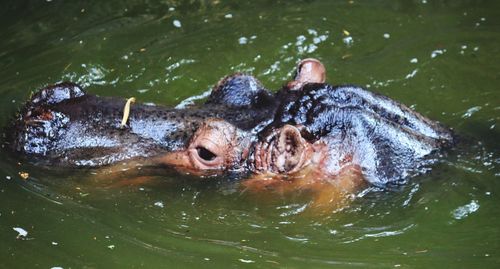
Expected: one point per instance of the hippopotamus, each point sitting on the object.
(324, 129)
(306, 132)
(63, 125)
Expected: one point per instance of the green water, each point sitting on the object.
(447, 218)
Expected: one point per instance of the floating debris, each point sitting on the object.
(246, 261)
(243, 40)
(387, 36)
(471, 111)
(319, 39)
(346, 56)
(414, 61)
(312, 32)
(311, 48)
(177, 23)
(464, 211)
(111, 247)
(435, 53)
(348, 40)
(412, 74)
(24, 175)
(159, 204)
(228, 16)
(22, 233)
(300, 40)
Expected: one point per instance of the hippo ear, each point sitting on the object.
(57, 93)
(308, 71)
(240, 91)
(289, 153)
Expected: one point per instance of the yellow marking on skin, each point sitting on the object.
(126, 111)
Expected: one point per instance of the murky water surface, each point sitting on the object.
(439, 57)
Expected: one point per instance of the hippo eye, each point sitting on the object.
(205, 154)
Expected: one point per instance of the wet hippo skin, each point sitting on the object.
(350, 126)
(64, 126)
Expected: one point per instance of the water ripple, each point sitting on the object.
(381, 234)
(464, 211)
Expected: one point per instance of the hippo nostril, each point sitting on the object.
(289, 150)
(205, 154)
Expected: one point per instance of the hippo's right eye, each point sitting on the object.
(205, 154)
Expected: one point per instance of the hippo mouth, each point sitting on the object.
(283, 151)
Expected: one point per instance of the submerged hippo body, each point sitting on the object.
(65, 126)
